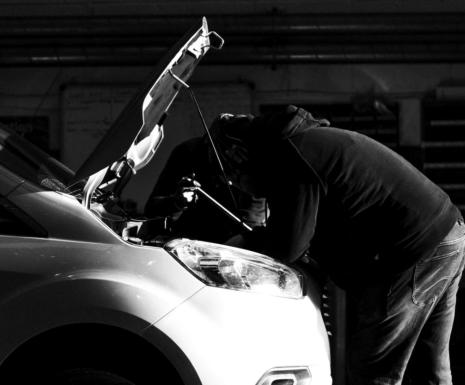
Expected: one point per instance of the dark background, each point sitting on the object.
(394, 70)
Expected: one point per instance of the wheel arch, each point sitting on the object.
(104, 347)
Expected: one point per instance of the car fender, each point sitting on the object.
(117, 299)
(67, 305)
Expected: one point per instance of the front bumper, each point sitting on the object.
(233, 337)
(287, 376)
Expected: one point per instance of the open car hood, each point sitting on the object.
(132, 140)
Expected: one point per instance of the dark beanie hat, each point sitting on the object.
(242, 139)
(231, 134)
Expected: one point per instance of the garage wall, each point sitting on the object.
(301, 52)
(39, 91)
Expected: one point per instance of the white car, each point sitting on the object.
(84, 300)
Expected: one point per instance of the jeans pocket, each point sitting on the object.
(433, 275)
(446, 249)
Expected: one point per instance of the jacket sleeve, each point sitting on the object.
(294, 210)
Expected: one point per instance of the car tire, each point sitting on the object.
(84, 376)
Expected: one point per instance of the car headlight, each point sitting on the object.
(233, 268)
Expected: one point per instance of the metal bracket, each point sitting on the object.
(178, 79)
(219, 40)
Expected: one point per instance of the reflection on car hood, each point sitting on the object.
(145, 113)
(29, 162)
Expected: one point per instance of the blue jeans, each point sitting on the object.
(402, 328)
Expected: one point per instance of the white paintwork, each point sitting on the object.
(141, 153)
(85, 273)
(63, 216)
(45, 283)
(240, 336)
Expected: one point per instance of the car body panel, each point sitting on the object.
(63, 215)
(284, 333)
(9, 181)
(46, 283)
(78, 270)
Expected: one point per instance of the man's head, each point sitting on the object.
(232, 135)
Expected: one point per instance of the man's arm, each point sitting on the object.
(291, 227)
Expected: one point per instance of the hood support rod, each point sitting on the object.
(210, 139)
(225, 210)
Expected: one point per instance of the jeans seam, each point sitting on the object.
(444, 278)
(441, 256)
(445, 243)
(448, 243)
(433, 299)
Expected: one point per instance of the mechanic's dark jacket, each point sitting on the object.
(363, 210)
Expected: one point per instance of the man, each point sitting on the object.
(195, 216)
(381, 230)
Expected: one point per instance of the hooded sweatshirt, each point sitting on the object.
(359, 209)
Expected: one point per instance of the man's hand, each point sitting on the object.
(186, 195)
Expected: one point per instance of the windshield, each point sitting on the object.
(29, 162)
